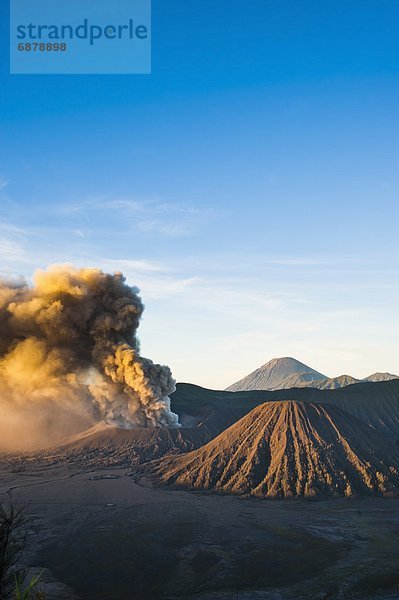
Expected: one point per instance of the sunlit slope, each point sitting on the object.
(286, 449)
(381, 377)
(278, 373)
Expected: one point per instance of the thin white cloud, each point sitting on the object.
(10, 250)
(130, 205)
(146, 216)
(11, 229)
(169, 229)
(161, 288)
(146, 206)
(123, 264)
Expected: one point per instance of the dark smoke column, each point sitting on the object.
(80, 326)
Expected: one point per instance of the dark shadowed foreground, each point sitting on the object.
(106, 535)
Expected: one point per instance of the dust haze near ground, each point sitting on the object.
(69, 357)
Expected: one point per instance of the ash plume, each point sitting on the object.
(69, 356)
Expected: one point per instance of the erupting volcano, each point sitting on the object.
(69, 357)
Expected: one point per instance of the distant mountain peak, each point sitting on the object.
(279, 373)
(381, 377)
(287, 361)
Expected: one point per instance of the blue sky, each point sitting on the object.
(249, 185)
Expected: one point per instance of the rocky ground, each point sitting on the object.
(111, 534)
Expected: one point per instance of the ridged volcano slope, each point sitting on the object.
(286, 449)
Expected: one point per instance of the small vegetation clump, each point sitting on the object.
(13, 535)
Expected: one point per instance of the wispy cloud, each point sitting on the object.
(144, 266)
(101, 203)
(146, 216)
(133, 206)
(156, 280)
(10, 250)
(11, 228)
(12, 245)
(169, 229)
(303, 261)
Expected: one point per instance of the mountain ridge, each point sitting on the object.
(288, 372)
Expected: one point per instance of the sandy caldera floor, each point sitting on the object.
(123, 539)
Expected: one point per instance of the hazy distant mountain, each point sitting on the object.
(286, 373)
(334, 383)
(284, 449)
(278, 374)
(381, 377)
